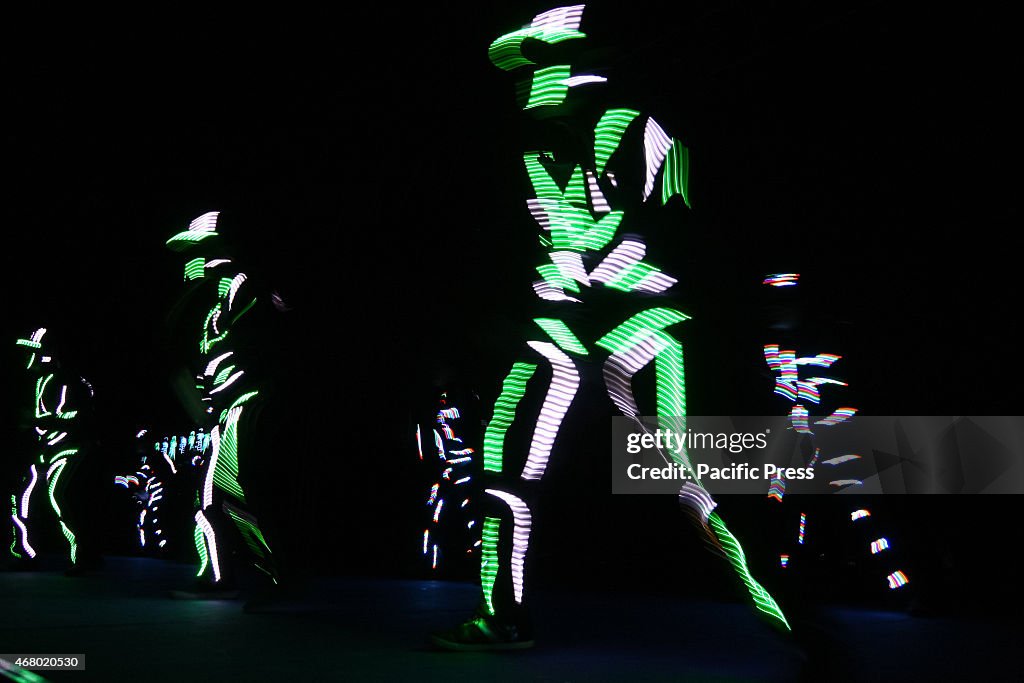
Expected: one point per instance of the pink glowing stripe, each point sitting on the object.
(782, 280)
(560, 17)
(211, 543)
(841, 459)
(27, 495)
(597, 199)
(656, 146)
(208, 482)
(838, 417)
(520, 537)
(697, 499)
(565, 380)
(628, 253)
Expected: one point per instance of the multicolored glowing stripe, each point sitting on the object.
(803, 528)
(839, 416)
(777, 489)
(859, 514)
(879, 545)
(783, 561)
(897, 580)
(782, 280)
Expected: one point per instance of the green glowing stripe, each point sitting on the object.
(66, 453)
(574, 229)
(200, 538)
(544, 186)
(562, 335)
(734, 551)
(512, 391)
(608, 133)
(14, 530)
(489, 559)
(31, 360)
(627, 279)
(640, 326)
(243, 311)
(195, 269)
(223, 375)
(549, 88)
(224, 287)
(29, 343)
(576, 190)
(676, 178)
(68, 415)
(53, 486)
(225, 474)
(545, 242)
(71, 539)
(506, 52)
(250, 532)
(190, 237)
(554, 275)
(238, 401)
(671, 391)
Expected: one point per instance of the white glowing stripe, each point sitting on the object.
(211, 544)
(24, 537)
(597, 199)
(627, 254)
(174, 470)
(37, 336)
(539, 213)
(545, 290)
(426, 540)
(523, 521)
(825, 380)
(564, 382)
(699, 500)
(230, 380)
(26, 496)
(40, 431)
(206, 223)
(217, 262)
(622, 365)
(57, 439)
(655, 282)
(570, 264)
(63, 398)
(236, 283)
(208, 482)
(214, 319)
(45, 359)
(846, 482)
(560, 17)
(840, 459)
(211, 367)
(573, 81)
(656, 146)
(141, 433)
(142, 531)
(437, 510)
(419, 442)
(439, 444)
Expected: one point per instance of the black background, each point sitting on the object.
(368, 170)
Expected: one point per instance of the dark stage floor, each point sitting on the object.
(359, 629)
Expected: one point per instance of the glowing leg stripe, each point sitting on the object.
(734, 551)
(512, 390)
(520, 537)
(71, 540)
(489, 560)
(27, 495)
(24, 537)
(204, 560)
(53, 475)
(211, 468)
(565, 380)
(211, 543)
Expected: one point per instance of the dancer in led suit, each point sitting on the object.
(578, 204)
(157, 476)
(228, 395)
(56, 417)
